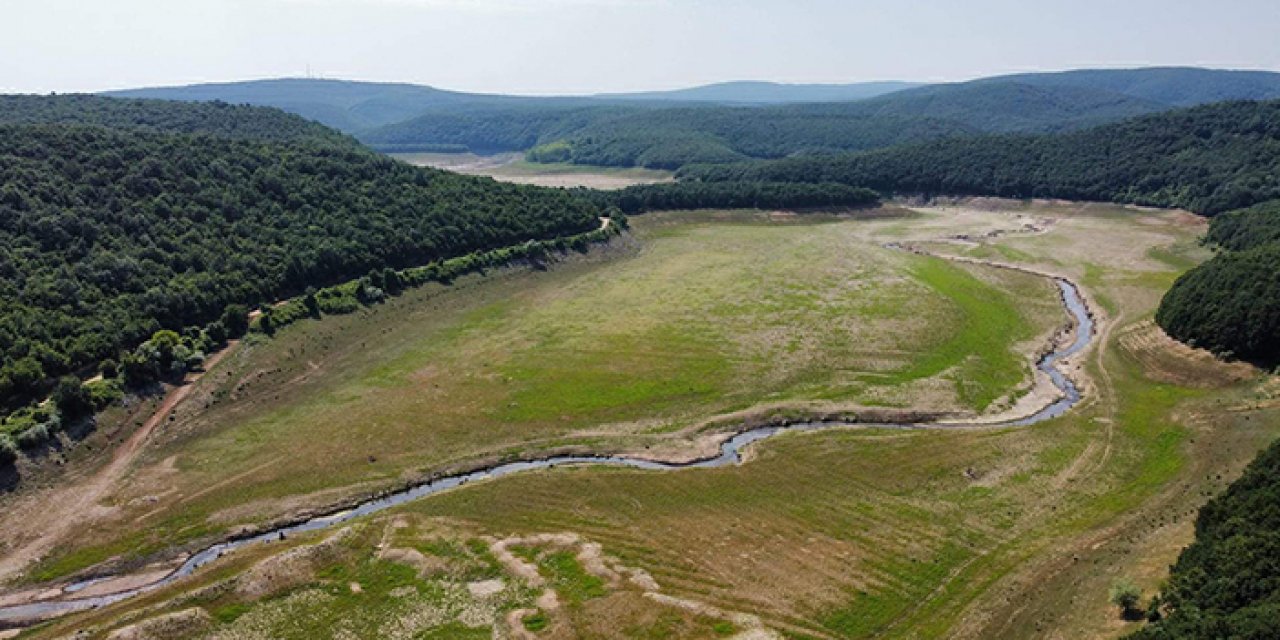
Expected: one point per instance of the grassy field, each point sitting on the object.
(511, 167)
(701, 316)
(844, 533)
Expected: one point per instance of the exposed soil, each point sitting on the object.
(45, 518)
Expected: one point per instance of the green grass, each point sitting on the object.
(535, 622)
(569, 579)
(845, 533)
(979, 347)
(717, 313)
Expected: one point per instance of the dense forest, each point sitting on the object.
(108, 236)
(669, 138)
(1207, 159)
(489, 129)
(1226, 584)
(1231, 304)
(732, 195)
(213, 118)
(345, 105)
(1246, 228)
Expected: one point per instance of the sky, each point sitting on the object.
(543, 47)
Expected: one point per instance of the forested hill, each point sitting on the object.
(761, 93)
(1226, 584)
(640, 134)
(1206, 159)
(999, 107)
(345, 105)
(212, 118)
(1231, 304)
(108, 235)
(1172, 86)
(666, 138)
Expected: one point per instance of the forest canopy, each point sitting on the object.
(732, 195)
(1231, 304)
(108, 235)
(1226, 584)
(1206, 159)
(213, 118)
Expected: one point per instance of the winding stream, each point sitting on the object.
(730, 453)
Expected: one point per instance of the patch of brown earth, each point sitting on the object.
(182, 624)
(1167, 360)
(292, 568)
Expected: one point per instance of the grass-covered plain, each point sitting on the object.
(845, 533)
(698, 316)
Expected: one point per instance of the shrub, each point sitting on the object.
(33, 436)
(8, 450)
(72, 398)
(1125, 594)
(235, 319)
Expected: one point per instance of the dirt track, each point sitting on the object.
(47, 517)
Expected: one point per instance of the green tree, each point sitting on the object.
(25, 375)
(235, 318)
(72, 398)
(1126, 595)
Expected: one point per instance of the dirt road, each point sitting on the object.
(45, 518)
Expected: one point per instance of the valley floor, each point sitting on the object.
(697, 322)
(511, 167)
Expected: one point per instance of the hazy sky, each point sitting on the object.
(583, 46)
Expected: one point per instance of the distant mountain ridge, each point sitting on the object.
(733, 121)
(761, 93)
(1174, 86)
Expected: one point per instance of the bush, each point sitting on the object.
(8, 450)
(104, 393)
(33, 436)
(235, 319)
(72, 398)
(1125, 594)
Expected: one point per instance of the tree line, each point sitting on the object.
(731, 195)
(1226, 584)
(164, 116)
(1231, 303)
(1206, 159)
(109, 236)
(661, 138)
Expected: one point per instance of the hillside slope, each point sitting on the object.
(107, 235)
(344, 105)
(1226, 584)
(1231, 304)
(761, 93)
(1001, 107)
(1174, 86)
(1208, 159)
(212, 118)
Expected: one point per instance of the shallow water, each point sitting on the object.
(730, 453)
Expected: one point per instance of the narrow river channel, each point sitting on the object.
(730, 453)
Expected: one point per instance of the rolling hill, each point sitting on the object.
(1208, 159)
(344, 105)
(110, 233)
(731, 121)
(762, 93)
(640, 135)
